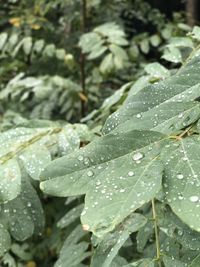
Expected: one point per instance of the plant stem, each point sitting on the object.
(25, 144)
(82, 59)
(156, 233)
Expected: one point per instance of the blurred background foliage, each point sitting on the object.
(42, 46)
(74, 60)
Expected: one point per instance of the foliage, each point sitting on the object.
(100, 124)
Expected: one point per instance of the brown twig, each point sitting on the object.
(82, 58)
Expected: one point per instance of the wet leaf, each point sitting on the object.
(181, 179)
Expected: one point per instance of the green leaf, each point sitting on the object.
(3, 39)
(34, 159)
(167, 118)
(108, 247)
(97, 51)
(27, 45)
(155, 40)
(69, 139)
(182, 87)
(119, 55)
(10, 180)
(13, 41)
(195, 262)
(49, 50)
(169, 262)
(196, 33)
(181, 180)
(38, 46)
(143, 236)
(173, 227)
(5, 240)
(172, 54)
(142, 263)
(133, 52)
(114, 98)
(71, 215)
(24, 214)
(90, 40)
(110, 29)
(167, 32)
(157, 70)
(180, 42)
(109, 174)
(107, 64)
(144, 46)
(118, 262)
(73, 251)
(60, 54)
(138, 86)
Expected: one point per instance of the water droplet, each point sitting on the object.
(130, 173)
(137, 156)
(180, 115)
(80, 158)
(86, 161)
(83, 213)
(194, 198)
(180, 176)
(90, 173)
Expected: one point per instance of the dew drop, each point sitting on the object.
(83, 213)
(80, 158)
(180, 115)
(180, 176)
(122, 190)
(194, 198)
(137, 156)
(98, 183)
(90, 173)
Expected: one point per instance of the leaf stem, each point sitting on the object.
(158, 254)
(25, 144)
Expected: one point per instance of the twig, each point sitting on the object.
(82, 58)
